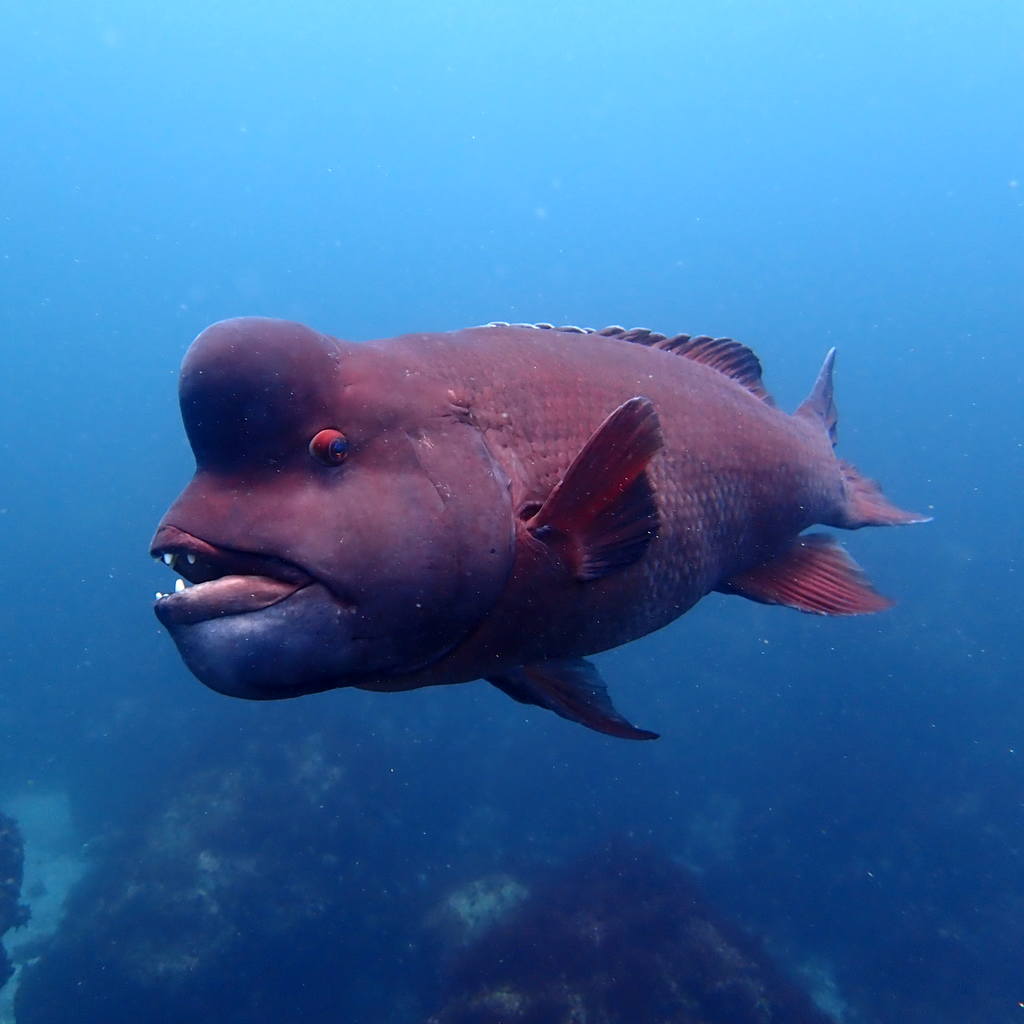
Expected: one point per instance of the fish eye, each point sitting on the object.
(329, 446)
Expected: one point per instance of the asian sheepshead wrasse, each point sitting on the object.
(495, 503)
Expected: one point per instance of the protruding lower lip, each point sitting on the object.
(229, 595)
(222, 581)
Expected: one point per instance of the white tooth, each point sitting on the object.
(179, 586)
(191, 558)
(158, 595)
(168, 558)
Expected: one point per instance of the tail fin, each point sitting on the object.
(866, 505)
(820, 405)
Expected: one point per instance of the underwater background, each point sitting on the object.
(849, 792)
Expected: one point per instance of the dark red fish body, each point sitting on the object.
(498, 503)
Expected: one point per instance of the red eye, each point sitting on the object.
(329, 447)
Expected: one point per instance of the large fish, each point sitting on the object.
(496, 503)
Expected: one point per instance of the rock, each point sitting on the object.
(621, 936)
(12, 913)
(259, 888)
(470, 909)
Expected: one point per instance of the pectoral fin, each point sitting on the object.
(572, 688)
(602, 514)
(813, 575)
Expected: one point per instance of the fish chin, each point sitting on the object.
(300, 645)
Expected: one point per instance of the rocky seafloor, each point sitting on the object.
(13, 913)
(280, 885)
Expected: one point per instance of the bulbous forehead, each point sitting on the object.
(258, 379)
(253, 354)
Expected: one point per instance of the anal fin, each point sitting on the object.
(572, 688)
(602, 514)
(813, 575)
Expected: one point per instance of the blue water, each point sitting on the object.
(795, 175)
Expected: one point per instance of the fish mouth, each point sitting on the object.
(214, 582)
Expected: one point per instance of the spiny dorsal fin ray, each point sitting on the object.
(722, 354)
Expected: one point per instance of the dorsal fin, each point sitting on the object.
(722, 354)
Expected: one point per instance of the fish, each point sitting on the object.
(498, 503)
